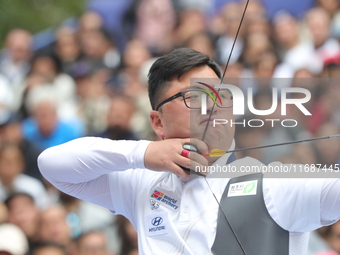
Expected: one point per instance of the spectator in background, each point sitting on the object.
(265, 68)
(294, 51)
(99, 49)
(269, 133)
(133, 252)
(127, 234)
(10, 133)
(79, 218)
(14, 63)
(44, 128)
(247, 137)
(305, 154)
(318, 22)
(190, 22)
(3, 213)
(46, 70)
(256, 19)
(88, 21)
(326, 106)
(328, 152)
(330, 6)
(133, 77)
(81, 73)
(140, 121)
(255, 45)
(32, 80)
(6, 98)
(80, 215)
(23, 212)
(201, 42)
(300, 154)
(92, 96)
(12, 240)
(67, 48)
(135, 55)
(261, 62)
(92, 243)
(49, 249)
(332, 236)
(332, 67)
(49, 67)
(119, 119)
(229, 17)
(202, 5)
(54, 227)
(13, 180)
(154, 22)
(304, 73)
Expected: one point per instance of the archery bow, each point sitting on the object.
(206, 128)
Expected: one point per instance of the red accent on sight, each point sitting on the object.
(213, 90)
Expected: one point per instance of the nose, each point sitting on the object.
(211, 105)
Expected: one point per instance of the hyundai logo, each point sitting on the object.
(157, 221)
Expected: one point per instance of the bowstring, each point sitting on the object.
(206, 127)
(226, 67)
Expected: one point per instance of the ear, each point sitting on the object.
(156, 119)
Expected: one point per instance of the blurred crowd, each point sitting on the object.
(90, 82)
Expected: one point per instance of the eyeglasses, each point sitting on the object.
(193, 98)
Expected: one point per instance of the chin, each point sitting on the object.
(178, 136)
(218, 141)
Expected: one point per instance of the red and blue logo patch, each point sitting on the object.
(157, 195)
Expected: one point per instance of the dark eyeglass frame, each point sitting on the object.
(181, 94)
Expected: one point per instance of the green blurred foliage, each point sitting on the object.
(36, 15)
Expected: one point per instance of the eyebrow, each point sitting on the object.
(187, 87)
(193, 87)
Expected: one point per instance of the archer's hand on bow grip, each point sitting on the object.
(166, 155)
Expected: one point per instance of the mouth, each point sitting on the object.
(204, 121)
(213, 120)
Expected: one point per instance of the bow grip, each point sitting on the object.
(191, 147)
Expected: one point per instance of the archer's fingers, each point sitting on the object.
(181, 172)
(200, 145)
(193, 161)
(196, 158)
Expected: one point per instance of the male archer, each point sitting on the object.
(175, 212)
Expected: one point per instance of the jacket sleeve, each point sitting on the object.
(84, 167)
(301, 205)
(330, 201)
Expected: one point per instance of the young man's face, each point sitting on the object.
(175, 120)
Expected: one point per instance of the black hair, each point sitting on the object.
(42, 245)
(47, 54)
(127, 245)
(174, 65)
(87, 233)
(13, 196)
